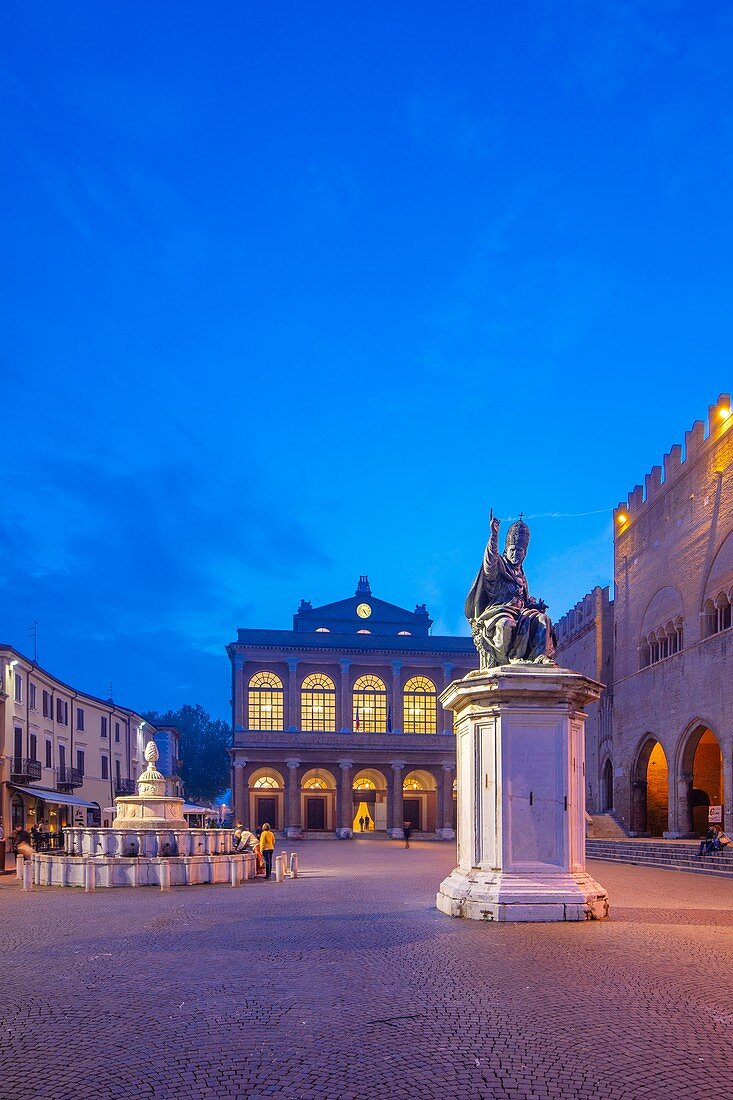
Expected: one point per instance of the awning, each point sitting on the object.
(54, 796)
(189, 808)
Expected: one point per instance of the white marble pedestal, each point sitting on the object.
(521, 797)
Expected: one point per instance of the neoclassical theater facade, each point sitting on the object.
(337, 723)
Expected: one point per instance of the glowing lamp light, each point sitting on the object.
(724, 412)
(622, 518)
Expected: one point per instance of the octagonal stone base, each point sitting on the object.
(493, 896)
(149, 812)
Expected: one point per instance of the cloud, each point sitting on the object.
(165, 547)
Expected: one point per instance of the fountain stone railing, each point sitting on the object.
(113, 843)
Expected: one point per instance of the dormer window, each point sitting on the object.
(404, 633)
(363, 632)
(322, 630)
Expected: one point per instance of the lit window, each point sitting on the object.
(420, 703)
(404, 633)
(322, 630)
(370, 705)
(365, 785)
(315, 784)
(412, 785)
(266, 781)
(363, 632)
(318, 703)
(265, 702)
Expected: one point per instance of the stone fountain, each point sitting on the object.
(148, 844)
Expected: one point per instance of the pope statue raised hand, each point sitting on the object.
(509, 626)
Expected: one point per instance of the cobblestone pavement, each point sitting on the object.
(349, 984)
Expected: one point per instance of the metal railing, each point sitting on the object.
(24, 771)
(68, 778)
(125, 786)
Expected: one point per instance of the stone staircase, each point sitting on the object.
(605, 827)
(675, 855)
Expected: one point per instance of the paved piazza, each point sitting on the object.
(349, 984)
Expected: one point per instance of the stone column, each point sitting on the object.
(444, 718)
(396, 808)
(727, 791)
(398, 721)
(240, 806)
(346, 716)
(638, 807)
(679, 814)
(521, 812)
(292, 721)
(239, 694)
(344, 802)
(292, 800)
(445, 808)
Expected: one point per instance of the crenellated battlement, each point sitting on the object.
(700, 434)
(580, 617)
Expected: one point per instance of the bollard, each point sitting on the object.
(293, 864)
(234, 878)
(27, 875)
(165, 875)
(279, 868)
(90, 883)
(19, 861)
(250, 866)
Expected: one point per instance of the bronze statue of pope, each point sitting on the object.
(509, 626)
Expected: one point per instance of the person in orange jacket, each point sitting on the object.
(267, 847)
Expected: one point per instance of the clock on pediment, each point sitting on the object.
(363, 610)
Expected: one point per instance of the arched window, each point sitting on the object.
(315, 784)
(420, 705)
(645, 656)
(723, 608)
(269, 782)
(672, 639)
(317, 703)
(678, 631)
(662, 636)
(654, 647)
(265, 702)
(710, 619)
(412, 785)
(370, 705)
(365, 785)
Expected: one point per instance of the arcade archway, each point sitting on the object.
(701, 772)
(607, 788)
(419, 800)
(318, 794)
(369, 799)
(650, 791)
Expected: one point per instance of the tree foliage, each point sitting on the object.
(203, 749)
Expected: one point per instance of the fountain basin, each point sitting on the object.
(57, 869)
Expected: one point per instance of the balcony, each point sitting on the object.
(125, 786)
(67, 779)
(24, 771)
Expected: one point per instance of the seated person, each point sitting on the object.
(710, 842)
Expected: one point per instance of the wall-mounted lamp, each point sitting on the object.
(724, 412)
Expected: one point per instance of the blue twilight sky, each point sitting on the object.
(298, 291)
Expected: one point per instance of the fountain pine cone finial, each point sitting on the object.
(151, 753)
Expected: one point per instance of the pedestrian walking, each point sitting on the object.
(407, 830)
(267, 847)
(361, 823)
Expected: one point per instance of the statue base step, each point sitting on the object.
(497, 896)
